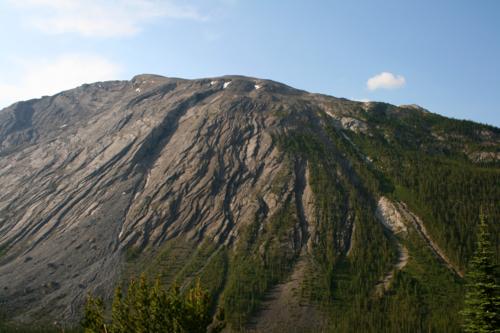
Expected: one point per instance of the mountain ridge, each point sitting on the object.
(247, 176)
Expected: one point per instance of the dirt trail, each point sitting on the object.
(422, 231)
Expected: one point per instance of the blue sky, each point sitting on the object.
(443, 55)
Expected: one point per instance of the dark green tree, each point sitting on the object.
(175, 304)
(197, 310)
(482, 299)
(148, 308)
(120, 313)
(93, 317)
(143, 306)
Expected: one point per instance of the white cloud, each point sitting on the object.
(100, 18)
(385, 80)
(42, 77)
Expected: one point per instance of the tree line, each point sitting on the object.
(147, 307)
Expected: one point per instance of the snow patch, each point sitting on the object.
(226, 84)
(257, 86)
(212, 83)
(62, 126)
(138, 90)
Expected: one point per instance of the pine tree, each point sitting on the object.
(482, 299)
(142, 306)
(131, 305)
(120, 313)
(148, 308)
(160, 310)
(197, 311)
(93, 317)
(176, 309)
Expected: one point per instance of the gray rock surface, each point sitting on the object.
(91, 171)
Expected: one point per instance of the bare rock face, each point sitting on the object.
(92, 171)
(390, 217)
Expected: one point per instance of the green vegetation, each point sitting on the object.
(262, 258)
(425, 296)
(448, 197)
(165, 261)
(7, 326)
(434, 177)
(148, 308)
(447, 190)
(482, 299)
(181, 262)
(38, 328)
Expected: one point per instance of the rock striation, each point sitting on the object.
(92, 173)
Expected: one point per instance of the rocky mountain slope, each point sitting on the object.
(286, 204)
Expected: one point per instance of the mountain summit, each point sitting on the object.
(297, 211)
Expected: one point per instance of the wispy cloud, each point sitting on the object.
(101, 18)
(385, 80)
(42, 77)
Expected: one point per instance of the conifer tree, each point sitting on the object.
(197, 312)
(156, 305)
(131, 305)
(148, 308)
(142, 306)
(482, 299)
(119, 313)
(160, 310)
(176, 306)
(93, 318)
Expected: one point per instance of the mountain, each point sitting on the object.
(297, 211)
